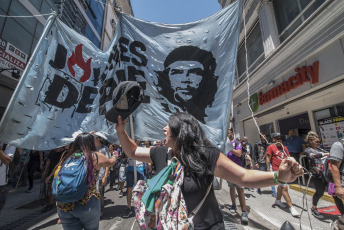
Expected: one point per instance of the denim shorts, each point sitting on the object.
(230, 184)
(130, 178)
(81, 217)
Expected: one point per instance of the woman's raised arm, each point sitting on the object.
(129, 147)
(226, 169)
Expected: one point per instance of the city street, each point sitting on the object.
(21, 212)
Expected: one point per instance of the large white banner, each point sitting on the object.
(68, 88)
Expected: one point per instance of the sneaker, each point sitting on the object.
(30, 190)
(246, 197)
(244, 218)
(274, 194)
(279, 203)
(127, 212)
(317, 214)
(233, 209)
(47, 208)
(294, 212)
(120, 195)
(259, 191)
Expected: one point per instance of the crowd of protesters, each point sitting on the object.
(265, 155)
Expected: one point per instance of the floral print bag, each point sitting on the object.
(170, 211)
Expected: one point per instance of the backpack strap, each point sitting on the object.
(96, 156)
(58, 164)
(196, 209)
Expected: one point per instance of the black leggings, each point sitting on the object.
(31, 168)
(320, 185)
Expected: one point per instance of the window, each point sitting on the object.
(36, 3)
(17, 35)
(18, 9)
(255, 52)
(291, 14)
(268, 129)
(2, 20)
(4, 5)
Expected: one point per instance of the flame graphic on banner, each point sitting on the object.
(77, 59)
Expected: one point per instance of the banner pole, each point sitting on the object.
(47, 27)
(133, 138)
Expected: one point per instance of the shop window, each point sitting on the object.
(291, 14)
(4, 5)
(36, 3)
(39, 30)
(268, 129)
(255, 52)
(48, 7)
(330, 130)
(2, 20)
(18, 9)
(14, 33)
(340, 109)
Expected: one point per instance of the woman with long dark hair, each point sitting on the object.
(201, 162)
(316, 156)
(85, 213)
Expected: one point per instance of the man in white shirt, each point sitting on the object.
(5, 159)
(103, 172)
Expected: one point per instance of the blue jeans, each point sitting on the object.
(81, 217)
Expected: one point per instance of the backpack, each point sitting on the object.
(327, 169)
(243, 154)
(160, 203)
(70, 183)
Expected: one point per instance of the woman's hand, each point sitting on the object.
(120, 126)
(289, 170)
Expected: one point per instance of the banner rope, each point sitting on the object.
(25, 16)
(256, 124)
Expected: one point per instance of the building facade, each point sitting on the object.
(95, 19)
(294, 52)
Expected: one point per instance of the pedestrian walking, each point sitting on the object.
(104, 171)
(238, 157)
(35, 164)
(337, 159)
(317, 157)
(113, 153)
(259, 157)
(5, 159)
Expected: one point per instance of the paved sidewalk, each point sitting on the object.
(22, 211)
(266, 215)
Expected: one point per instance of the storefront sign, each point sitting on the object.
(11, 57)
(303, 74)
(331, 130)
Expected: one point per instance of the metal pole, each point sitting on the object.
(133, 138)
(47, 27)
